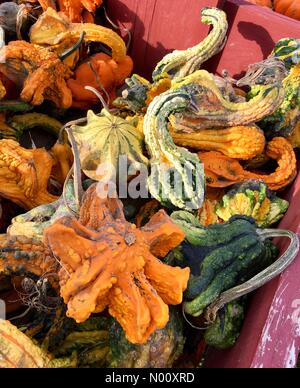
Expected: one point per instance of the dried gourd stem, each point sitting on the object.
(91, 66)
(61, 140)
(77, 168)
(189, 322)
(70, 210)
(128, 32)
(21, 315)
(263, 277)
(76, 46)
(270, 71)
(97, 93)
(21, 16)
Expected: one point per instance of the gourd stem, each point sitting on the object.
(189, 322)
(90, 64)
(70, 210)
(96, 92)
(119, 28)
(78, 189)
(71, 50)
(61, 140)
(263, 277)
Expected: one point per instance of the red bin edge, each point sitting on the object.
(270, 336)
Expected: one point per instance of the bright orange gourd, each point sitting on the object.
(289, 8)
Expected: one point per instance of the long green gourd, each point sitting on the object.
(177, 176)
(181, 63)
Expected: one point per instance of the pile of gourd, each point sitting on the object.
(99, 280)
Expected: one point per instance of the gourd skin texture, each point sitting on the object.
(53, 28)
(252, 199)
(110, 263)
(161, 351)
(222, 171)
(288, 50)
(45, 76)
(220, 257)
(214, 111)
(24, 175)
(224, 332)
(167, 160)
(242, 143)
(179, 64)
(283, 121)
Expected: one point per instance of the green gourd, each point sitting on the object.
(181, 63)
(224, 256)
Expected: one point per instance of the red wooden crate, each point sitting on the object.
(271, 333)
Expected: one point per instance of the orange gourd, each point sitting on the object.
(289, 8)
(222, 171)
(102, 73)
(108, 262)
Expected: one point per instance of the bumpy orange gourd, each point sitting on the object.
(102, 73)
(24, 174)
(108, 262)
(39, 72)
(237, 142)
(76, 10)
(222, 171)
(289, 8)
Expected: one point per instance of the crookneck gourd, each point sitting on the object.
(24, 174)
(179, 64)
(177, 177)
(22, 251)
(38, 72)
(253, 199)
(226, 255)
(242, 143)
(222, 171)
(214, 111)
(108, 262)
(53, 28)
(106, 143)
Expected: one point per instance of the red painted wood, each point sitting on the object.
(159, 27)
(271, 333)
(253, 32)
